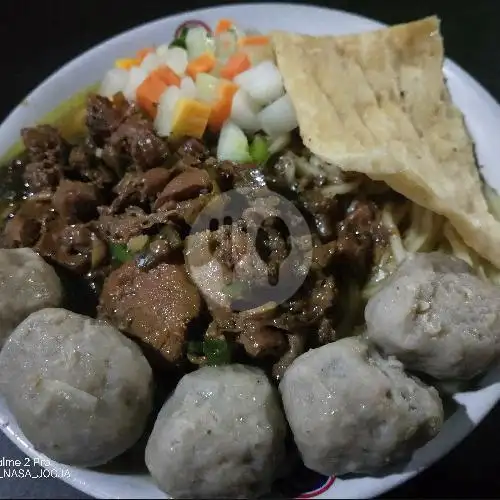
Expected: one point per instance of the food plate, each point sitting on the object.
(483, 119)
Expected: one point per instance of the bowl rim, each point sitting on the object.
(478, 95)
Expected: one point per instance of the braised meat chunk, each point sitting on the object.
(44, 142)
(76, 201)
(155, 306)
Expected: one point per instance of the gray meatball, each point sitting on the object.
(351, 410)
(221, 434)
(79, 390)
(437, 318)
(27, 284)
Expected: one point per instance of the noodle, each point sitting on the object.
(411, 228)
(395, 242)
(458, 248)
(339, 189)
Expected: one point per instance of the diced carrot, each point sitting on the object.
(142, 53)
(190, 118)
(149, 92)
(202, 64)
(168, 75)
(223, 25)
(235, 65)
(253, 40)
(126, 63)
(221, 109)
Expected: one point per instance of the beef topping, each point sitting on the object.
(136, 138)
(42, 176)
(76, 201)
(261, 341)
(103, 117)
(22, 231)
(188, 184)
(133, 222)
(68, 245)
(155, 305)
(357, 235)
(44, 142)
(324, 212)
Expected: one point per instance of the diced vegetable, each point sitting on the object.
(279, 117)
(259, 150)
(115, 81)
(149, 93)
(202, 64)
(166, 106)
(192, 23)
(235, 65)
(244, 112)
(170, 97)
(162, 50)
(151, 62)
(188, 88)
(135, 78)
(216, 70)
(142, 53)
(279, 143)
(223, 25)
(198, 42)
(258, 53)
(233, 144)
(238, 32)
(180, 39)
(254, 40)
(175, 58)
(221, 109)
(190, 118)
(99, 252)
(263, 82)
(126, 63)
(151, 89)
(206, 87)
(225, 45)
(167, 76)
(120, 253)
(137, 243)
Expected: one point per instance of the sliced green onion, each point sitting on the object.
(120, 253)
(259, 150)
(195, 347)
(216, 351)
(180, 41)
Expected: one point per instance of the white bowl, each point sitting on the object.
(482, 116)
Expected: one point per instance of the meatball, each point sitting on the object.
(27, 284)
(351, 410)
(221, 434)
(437, 318)
(81, 391)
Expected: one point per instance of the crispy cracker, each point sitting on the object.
(377, 103)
